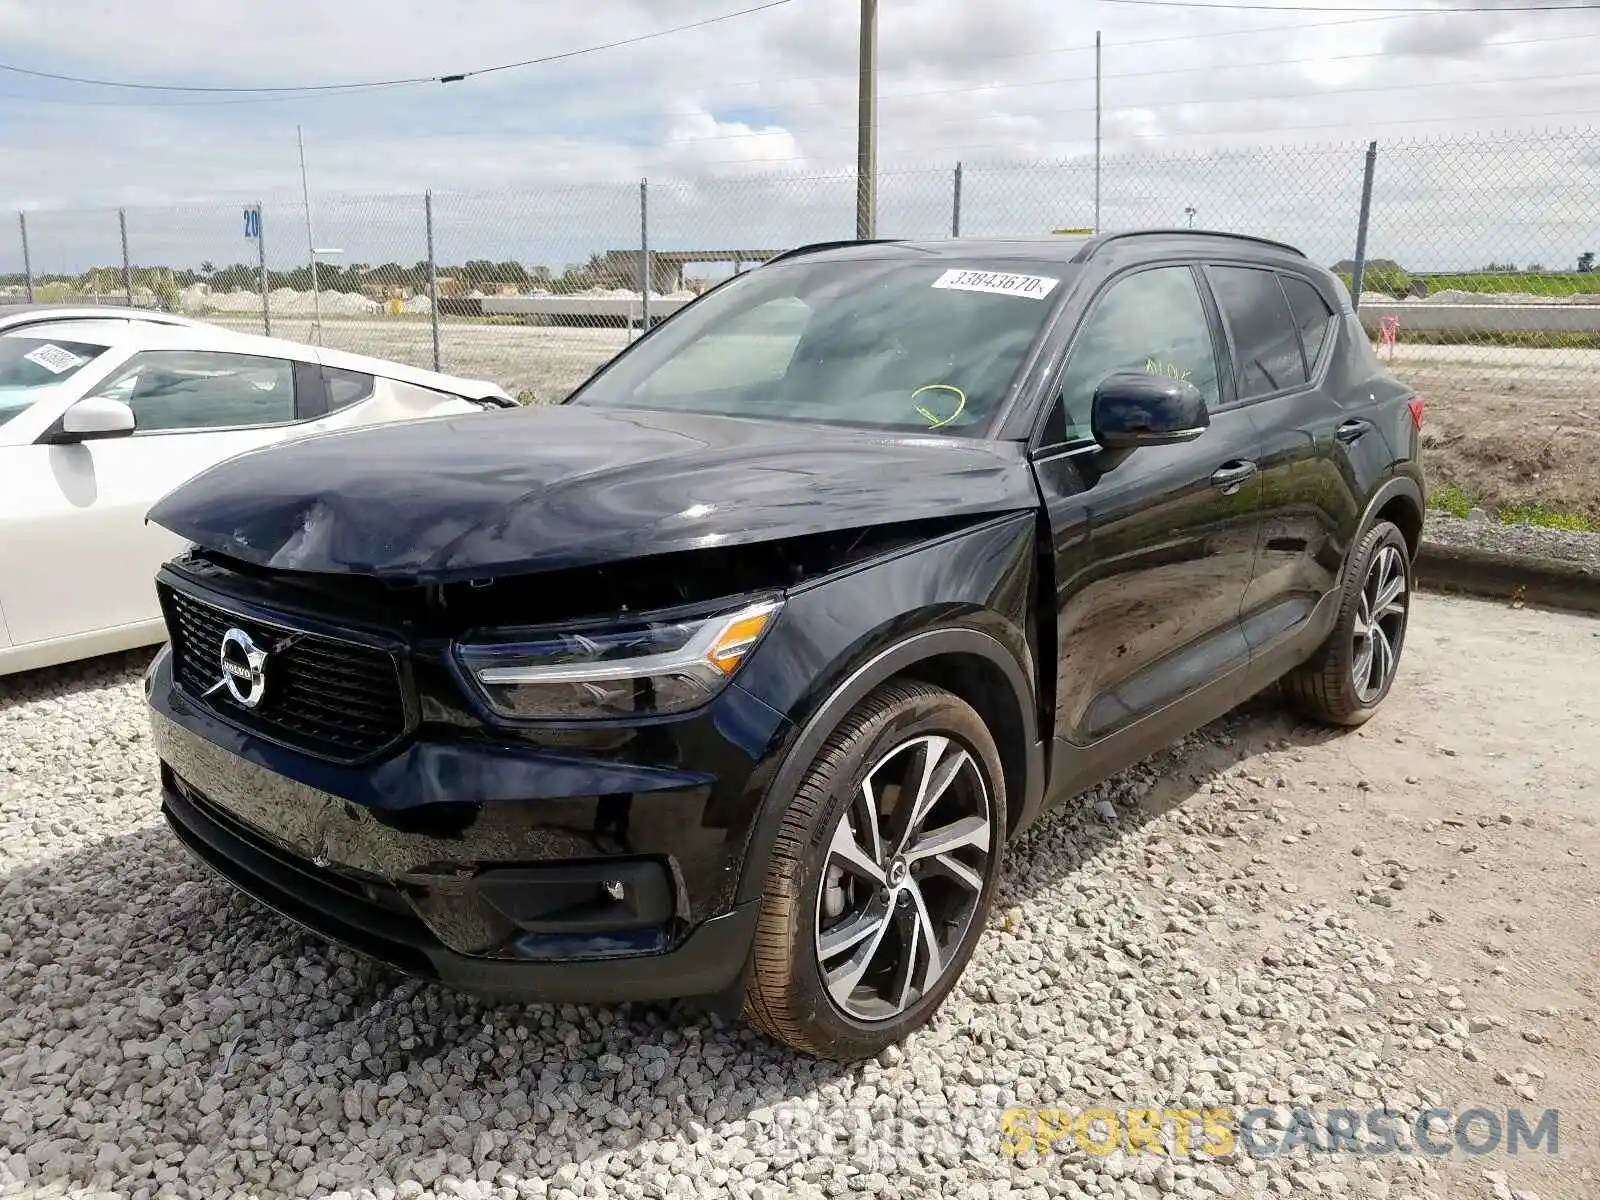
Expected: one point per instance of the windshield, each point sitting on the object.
(30, 366)
(883, 344)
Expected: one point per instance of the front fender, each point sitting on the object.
(968, 594)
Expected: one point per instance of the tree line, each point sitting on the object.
(355, 277)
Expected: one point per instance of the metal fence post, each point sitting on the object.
(644, 254)
(433, 275)
(1359, 268)
(127, 268)
(955, 205)
(27, 260)
(261, 255)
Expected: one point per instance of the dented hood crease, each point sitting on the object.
(548, 488)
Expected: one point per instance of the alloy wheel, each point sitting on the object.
(1380, 624)
(905, 871)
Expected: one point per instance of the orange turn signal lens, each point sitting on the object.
(735, 639)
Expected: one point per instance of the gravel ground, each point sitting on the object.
(1532, 540)
(1267, 914)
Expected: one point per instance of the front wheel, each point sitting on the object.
(881, 876)
(1347, 678)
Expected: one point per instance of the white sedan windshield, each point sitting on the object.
(30, 366)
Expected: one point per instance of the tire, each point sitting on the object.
(1340, 683)
(830, 975)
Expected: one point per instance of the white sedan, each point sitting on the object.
(102, 412)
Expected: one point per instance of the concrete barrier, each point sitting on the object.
(1420, 317)
(1543, 582)
(585, 310)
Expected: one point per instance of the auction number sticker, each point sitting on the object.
(53, 358)
(1034, 287)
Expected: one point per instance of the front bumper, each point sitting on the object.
(707, 962)
(504, 890)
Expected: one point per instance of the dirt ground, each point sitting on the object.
(1510, 426)
(550, 362)
(1461, 827)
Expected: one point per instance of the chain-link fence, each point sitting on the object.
(1478, 279)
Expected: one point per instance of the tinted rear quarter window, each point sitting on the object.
(1311, 314)
(1265, 342)
(345, 387)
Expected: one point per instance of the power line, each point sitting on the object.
(784, 108)
(85, 102)
(1184, 103)
(768, 81)
(1209, 68)
(1183, 133)
(361, 89)
(455, 77)
(1303, 8)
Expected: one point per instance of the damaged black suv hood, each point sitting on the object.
(548, 488)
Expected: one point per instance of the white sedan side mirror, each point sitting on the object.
(96, 417)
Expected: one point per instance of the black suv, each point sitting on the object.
(732, 676)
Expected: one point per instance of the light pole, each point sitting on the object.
(311, 247)
(867, 126)
(1189, 211)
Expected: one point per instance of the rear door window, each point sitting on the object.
(1266, 342)
(1311, 314)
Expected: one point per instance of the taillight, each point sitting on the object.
(1415, 405)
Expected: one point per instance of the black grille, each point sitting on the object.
(338, 700)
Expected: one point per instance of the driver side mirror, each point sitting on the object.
(1139, 408)
(93, 418)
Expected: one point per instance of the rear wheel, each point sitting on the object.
(881, 876)
(1347, 678)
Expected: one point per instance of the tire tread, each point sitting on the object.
(1320, 688)
(771, 994)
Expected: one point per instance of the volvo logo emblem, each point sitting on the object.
(243, 668)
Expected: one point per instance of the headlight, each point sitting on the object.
(616, 670)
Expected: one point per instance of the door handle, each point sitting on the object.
(1349, 431)
(1231, 476)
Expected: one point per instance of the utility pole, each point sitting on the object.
(311, 245)
(1097, 131)
(867, 126)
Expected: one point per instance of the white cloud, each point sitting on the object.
(771, 94)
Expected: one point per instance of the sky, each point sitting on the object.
(745, 128)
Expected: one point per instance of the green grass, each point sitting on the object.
(1545, 518)
(1554, 283)
(1450, 499)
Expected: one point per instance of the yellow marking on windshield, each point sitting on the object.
(1166, 370)
(934, 420)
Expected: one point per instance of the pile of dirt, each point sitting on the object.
(1517, 432)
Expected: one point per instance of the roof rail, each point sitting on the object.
(1095, 243)
(816, 247)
